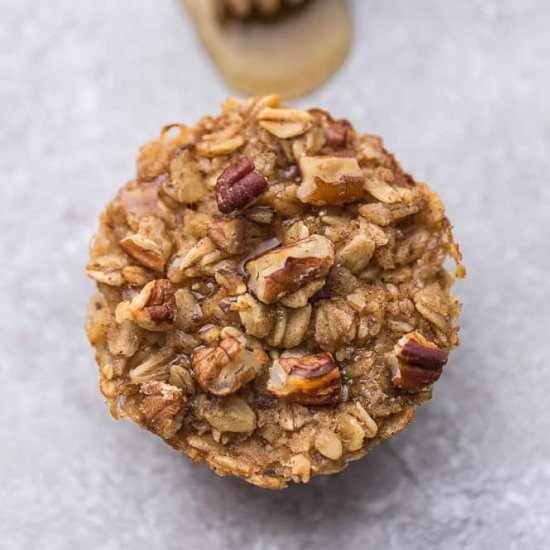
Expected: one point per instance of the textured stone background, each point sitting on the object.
(460, 90)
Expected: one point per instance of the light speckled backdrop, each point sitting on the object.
(460, 90)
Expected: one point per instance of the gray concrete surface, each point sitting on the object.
(460, 90)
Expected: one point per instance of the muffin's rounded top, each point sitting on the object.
(271, 292)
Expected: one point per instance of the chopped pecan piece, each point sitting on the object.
(162, 408)
(229, 235)
(416, 362)
(143, 251)
(149, 246)
(228, 367)
(311, 379)
(330, 180)
(154, 308)
(283, 271)
(238, 185)
(337, 134)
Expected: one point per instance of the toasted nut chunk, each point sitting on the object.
(310, 379)
(107, 269)
(229, 235)
(328, 444)
(144, 251)
(162, 408)
(228, 367)
(285, 123)
(337, 134)
(285, 270)
(416, 362)
(231, 414)
(238, 185)
(154, 308)
(149, 246)
(186, 183)
(330, 180)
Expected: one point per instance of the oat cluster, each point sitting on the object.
(272, 298)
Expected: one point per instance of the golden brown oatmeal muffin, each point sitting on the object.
(271, 295)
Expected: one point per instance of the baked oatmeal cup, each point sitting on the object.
(272, 298)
